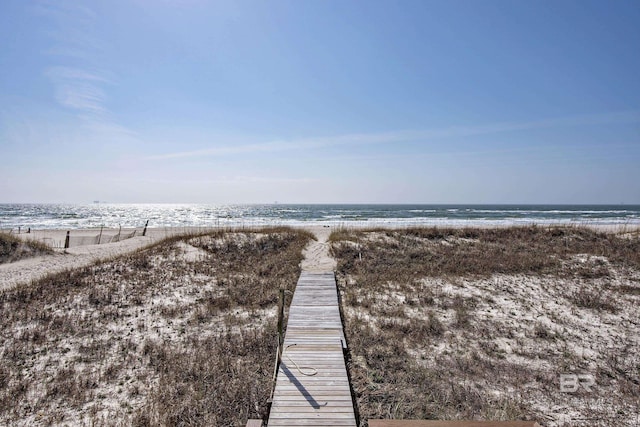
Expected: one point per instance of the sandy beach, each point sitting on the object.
(487, 319)
(30, 269)
(78, 256)
(182, 326)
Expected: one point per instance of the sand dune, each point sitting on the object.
(30, 269)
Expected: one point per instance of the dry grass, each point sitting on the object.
(480, 324)
(181, 333)
(13, 249)
(482, 252)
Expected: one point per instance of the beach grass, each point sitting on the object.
(180, 333)
(441, 324)
(481, 323)
(14, 249)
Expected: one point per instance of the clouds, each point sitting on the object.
(252, 102)
(418, 136)
(78, 78)
(78, 89)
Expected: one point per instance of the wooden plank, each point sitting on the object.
(319, 364)
(318, 334)
(336, 405)
(329, 399)
(322, 340)
(322, 412)
(328, 370)
(281, 415)
(319, 422)
(316, 381)
(323, 369)
(327, 332)
(315, 324)
(323, 349)
(292, 360)
(314, 397)
(321, 377)
(315, 387)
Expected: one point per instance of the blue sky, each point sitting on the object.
(320, 101)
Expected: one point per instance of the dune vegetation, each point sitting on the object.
(482, 323)
(441, 324)
(180, 333)
(13, 249)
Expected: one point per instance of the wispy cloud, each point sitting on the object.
(83, 87)
(405, 135)
(71, 73)
(72, 33)
(225, 180)
(305, 143)
(62, 8)
(78, 89)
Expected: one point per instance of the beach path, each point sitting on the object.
(316, 254)
(312, 385)
(30, 269)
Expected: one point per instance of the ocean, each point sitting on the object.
(76, 216)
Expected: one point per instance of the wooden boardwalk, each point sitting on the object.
(312, 386)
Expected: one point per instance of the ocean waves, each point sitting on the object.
(67, 216)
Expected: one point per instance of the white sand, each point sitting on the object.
(516, 305)
(317, 257)
(29, 269)
(316, 254)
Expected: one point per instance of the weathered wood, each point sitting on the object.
(280, 332)
(254, 423)
(290, 396)
(312, 386)
(337, 406)
(312, 422)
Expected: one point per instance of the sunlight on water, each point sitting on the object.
(51, 216)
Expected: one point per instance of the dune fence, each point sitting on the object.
(101, 238)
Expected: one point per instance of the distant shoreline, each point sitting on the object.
(69, 217)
